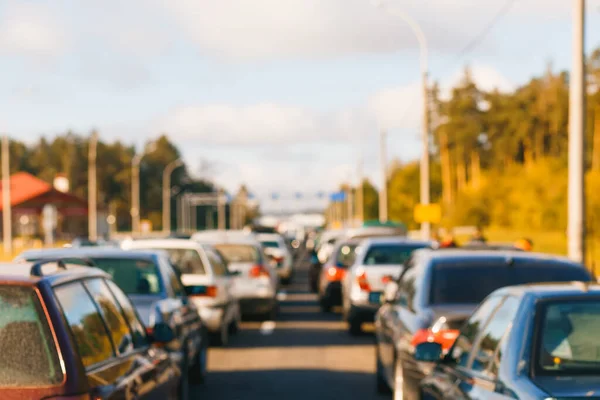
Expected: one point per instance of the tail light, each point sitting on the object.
(335, 274)
(258, 271)
(445, 337)
(386, 279)
(201, 291)
(278, 260)
(362, 281)
(149, 331)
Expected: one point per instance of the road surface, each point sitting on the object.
(305, 354)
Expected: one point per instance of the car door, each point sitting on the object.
(104, 342)
(160, 370)
(451, 379)
(224, 281)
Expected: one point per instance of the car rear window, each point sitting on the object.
(133, 276)
(346, 255)
(187, 261)
(449, 280)
(269, 244)
(28, 355)
(238, 253)
(389, 254)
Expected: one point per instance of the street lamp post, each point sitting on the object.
(6, 204)
(424, 176)
(92, 189)
(135, 188)
(167, 193)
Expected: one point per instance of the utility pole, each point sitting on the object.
(221, 217)
(360, 193)
(576, 212)
(350, 200)
(135, 194)
(92, 188)
(383, 194)
(425, 226)
(6, 206)
(166, 193)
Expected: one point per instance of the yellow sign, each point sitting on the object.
(428, 213)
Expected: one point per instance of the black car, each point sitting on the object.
(71, 333)
(437, 293)
(331, 274)
(523, 342)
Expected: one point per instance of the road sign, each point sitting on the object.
(428, 213)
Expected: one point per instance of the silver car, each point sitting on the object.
(378, 261)
(278, 251)
(208, 282)
(256, 284)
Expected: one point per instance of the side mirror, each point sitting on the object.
(162, 333)
(428, 352)
(390, 292)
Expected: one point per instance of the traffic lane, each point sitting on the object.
(304, 354)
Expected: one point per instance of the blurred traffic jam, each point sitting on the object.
(136, 318)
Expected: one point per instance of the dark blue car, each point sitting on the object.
(523, 342)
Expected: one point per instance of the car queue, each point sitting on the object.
(129, 321)
(486, 321)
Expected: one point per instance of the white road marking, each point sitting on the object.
(267, 328)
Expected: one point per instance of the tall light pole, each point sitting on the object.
(135, 187)
(92, 188)
(166, 193)
(383, 194)
(424, 176)
(360, 193)
(6, 206)
(576, 212)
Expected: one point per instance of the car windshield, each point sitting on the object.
(238, 253)
(270, 244)
(482, 277)
(132, 275)
(29, 357)
(346, 255)
(389, 254)
(569, 337)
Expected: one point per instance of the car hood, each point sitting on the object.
(570, 387)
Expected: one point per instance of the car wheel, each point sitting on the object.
(197, 373)
(286, 281)
(234, 325)
(184, 384)
(221, 338)
(354, 327)
(325, 305)
(382, 385)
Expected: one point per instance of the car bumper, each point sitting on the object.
(212, 317)
(333, 293)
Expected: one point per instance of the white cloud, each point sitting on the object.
(259, 124)
(30, 30)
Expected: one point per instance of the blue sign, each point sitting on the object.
(338, 197)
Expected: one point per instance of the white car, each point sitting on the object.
(275, 247)
(378, 261)
(208, 282)
(257, 282)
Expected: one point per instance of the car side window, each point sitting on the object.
(486, 358)
(408, 288)
(111, 313)
(174, 281)
(217, 262)
(464, 344)
(86, 324)
(191, 263)
(138, 332)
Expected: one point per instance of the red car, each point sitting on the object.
(69, 333)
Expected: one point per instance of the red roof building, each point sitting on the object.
(29, 195)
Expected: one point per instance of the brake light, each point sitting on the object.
(445, 337)
(386, 279)
(201, 291)
(362, 281)
(259, 271)
(149, 331)
(335, 274)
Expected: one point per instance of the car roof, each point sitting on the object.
(97, 252)
(550, 290)
(222, 237)
(20, 273)
(484, 254)
(269, 236)
(167, 243)
(395, 240)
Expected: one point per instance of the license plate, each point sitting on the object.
(375, 297)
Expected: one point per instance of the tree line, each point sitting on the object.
(67, 154)
(500, 158)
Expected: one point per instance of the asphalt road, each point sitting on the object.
(304, 354)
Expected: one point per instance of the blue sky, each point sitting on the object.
(283, 95)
